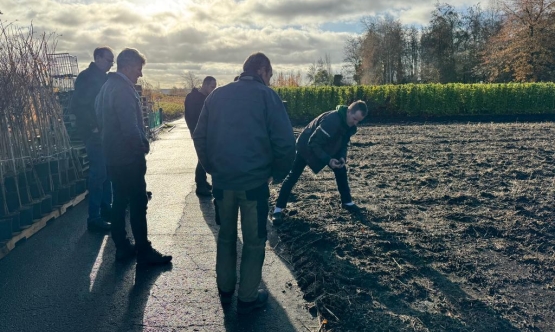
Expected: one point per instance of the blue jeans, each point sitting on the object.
(100, 188)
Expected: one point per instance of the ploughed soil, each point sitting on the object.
(457, 231)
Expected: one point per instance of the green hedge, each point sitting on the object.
(425, 100)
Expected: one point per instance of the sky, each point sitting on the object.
(210, 37)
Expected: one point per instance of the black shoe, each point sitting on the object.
(277, 219)
(351, 208)
(203, 190)
(225, 297)
(149, 195)
(152, 256)
(98, 225)
(247, 307)
(125, 251)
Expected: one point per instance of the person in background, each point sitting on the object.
(87, 86)
(244, 139)
(193, 105)
(324, 142)
(125, 145)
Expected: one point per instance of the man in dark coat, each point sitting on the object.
(324, 143)
(244, 139)
(193, 105)
(87, 86)
(125, 145)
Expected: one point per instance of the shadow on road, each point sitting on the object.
(65, 278)
(145, 278)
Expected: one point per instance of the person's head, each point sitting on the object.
(130, 63)
(258, 63)
(208, 85)
(356, 112)
(103, 57)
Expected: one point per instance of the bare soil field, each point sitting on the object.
(457, 231)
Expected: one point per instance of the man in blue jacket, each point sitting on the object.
(125, 145)
(87, 86)
(244, 139)
(193, 105)
(323, 142)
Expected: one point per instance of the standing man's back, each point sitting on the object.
(193, 106)
(87, 85)
(243, 139)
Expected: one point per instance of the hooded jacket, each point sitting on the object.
(324, 138)
(244, 136)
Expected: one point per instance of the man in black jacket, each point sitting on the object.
(324, 143)
(244, 139)
(87, 86)
(193, 105)
(125, 145)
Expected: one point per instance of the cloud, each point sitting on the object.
(208, 37)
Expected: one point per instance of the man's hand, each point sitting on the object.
(342, 162)
(335, 164)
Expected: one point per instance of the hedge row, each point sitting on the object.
(424, 100)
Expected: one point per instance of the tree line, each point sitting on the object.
(510, 41)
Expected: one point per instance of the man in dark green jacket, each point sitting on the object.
(324, 143)
(87, 86)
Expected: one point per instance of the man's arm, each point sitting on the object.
(193, 107)
(321, 137)
(343, 152)
(125, 103)
(187, 103)
(200, 138)
(281, 137)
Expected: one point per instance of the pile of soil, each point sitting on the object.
(456, 232)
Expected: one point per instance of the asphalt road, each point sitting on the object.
(65, 278)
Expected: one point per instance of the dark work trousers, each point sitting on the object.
(200, 175)
(295, 173)
(129, 185)
(253, 207)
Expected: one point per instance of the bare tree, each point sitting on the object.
(411, 57)
(191, 81)
(440, 42)
(524, 48)
(320, 72)
(285, 79)
(382, 51)
(353, 58)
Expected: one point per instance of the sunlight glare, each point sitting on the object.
(97, 263)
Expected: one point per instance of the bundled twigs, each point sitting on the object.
(32, 130)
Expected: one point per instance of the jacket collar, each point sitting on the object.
(121, 76)
(94, 67)
(249, 76)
